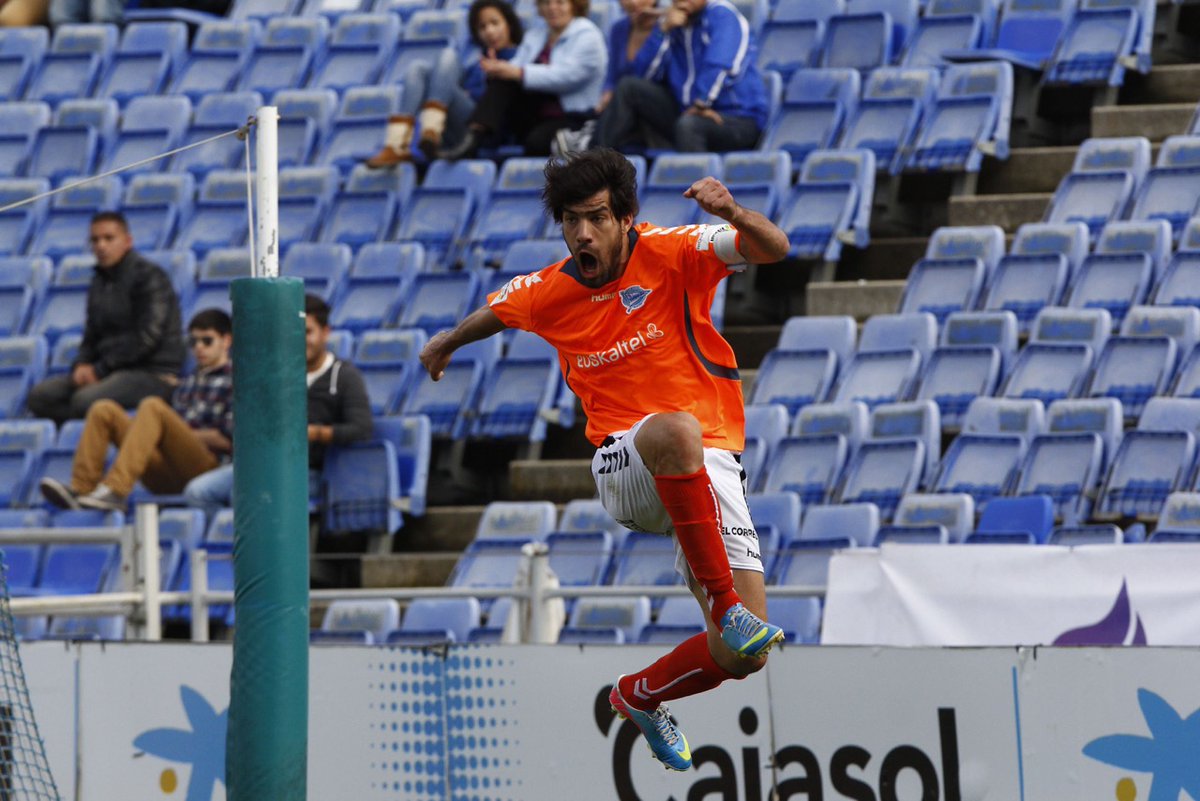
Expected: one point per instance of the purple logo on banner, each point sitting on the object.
(1112, 629)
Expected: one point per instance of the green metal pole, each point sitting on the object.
(267, 743)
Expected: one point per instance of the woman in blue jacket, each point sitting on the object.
(440, 97)
(552, 82)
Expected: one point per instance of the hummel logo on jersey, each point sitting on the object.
(520, 282)
(634, 298)
(604, 297)
(620, 350)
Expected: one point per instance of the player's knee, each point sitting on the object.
(740, 667)
(151, 402)
(671, 443)
(103, 408)
(679, 431)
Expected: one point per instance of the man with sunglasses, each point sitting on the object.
(164, 446)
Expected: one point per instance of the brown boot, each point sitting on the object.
(433, 122)
(396, 143)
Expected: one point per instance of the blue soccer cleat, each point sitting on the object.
(666, 741)
(747, 635)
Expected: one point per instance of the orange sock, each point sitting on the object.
(688, 670)
(691, 501)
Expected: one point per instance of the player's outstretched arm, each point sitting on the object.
(479, 324)
(761, 241)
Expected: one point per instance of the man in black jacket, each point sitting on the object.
(339, 411)
(132, 344)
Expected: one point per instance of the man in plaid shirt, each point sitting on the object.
(165, 446)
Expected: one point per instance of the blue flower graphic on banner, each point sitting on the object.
(1169, 754)
(203, 747)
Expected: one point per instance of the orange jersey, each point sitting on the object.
(644, 342)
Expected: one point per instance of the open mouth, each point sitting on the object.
(588, 264)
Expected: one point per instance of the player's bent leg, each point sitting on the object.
(671, 446)
(663, 737)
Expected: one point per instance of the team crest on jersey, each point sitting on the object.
(633, 298)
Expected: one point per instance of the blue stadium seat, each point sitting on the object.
(447, 402)
(1152, 237)
(983, 242)
(21, 52)
(1139, 57)
(78, 55)
(1068, 239)
(517, 400)
(24, 353)
(1093, 198)
(839, 526)
(957, 374)
(881, 472)
(19, 124)
(437, 24)
(943, 286)
(776, 517)
(831, 204)
(60, 151)
(580, 558)
(815, 107)
(930, 519)
(861, 41)
(369, 301)
(939, 34)
(1179, 286)
(359, 46)
(1168, 193)
(1152, 461)
(144, 60)
(1028, 34)
(513, 213)
(983, 466)
(1093, 48)
(1021, 418)
(451, 618)
(216, 113)
(411, 438)
(1113, 282)
(1132, 370)
(438, 300)
(1094, 534)
(63, 353)
(833, 332)
(305, 118)
(62, 311)
(851, 419)
(800, 618)
(1065, 467)
(321, 266)
(218, 54)
(766, 424)
(75, 569)
(977, 328)
(956, 135)
(1187, 381)
(218, 219)
(530, 520)
(362, 488)
(918, 420)
(1103, 155)
(106, 628)
(789, 46)
(589, 515)
(875, 377)
(16, 471)
(149, 127)
(388, 260)
(1047, 372)
(183, 526)
(388, 362)
(1101, 416)
(645, 560)
(1062, 325)
(885, 122)
(809, 466)
(360, 215)
(795, 378)
(18, 224)
(304, 195)
(1026, 520)
(607, 620)
(217, 271)
(888, 331)
(438, 216)
(1179, 519)
(153, 205)
(488, 564)
(285, 54)
(263, 9)
(376, 616)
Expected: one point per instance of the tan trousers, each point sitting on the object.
(156, 446)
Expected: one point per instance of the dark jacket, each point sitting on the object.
(133, 320)
(338, 398)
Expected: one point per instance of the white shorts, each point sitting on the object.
(629, 494)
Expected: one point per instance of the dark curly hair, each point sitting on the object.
(516, 29)
(580, 175)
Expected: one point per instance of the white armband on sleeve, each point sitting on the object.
(722, 240)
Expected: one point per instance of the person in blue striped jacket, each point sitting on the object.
(704, 91)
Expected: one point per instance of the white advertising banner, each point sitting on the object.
(512, 723)
(1010, 594)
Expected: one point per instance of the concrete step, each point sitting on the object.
(885, 259)
(407, 570)
(859, 299)
(1156, 122)
(1166, 83)
(441, 528)
(1006, 211)
(557, 480)
(1027, 169)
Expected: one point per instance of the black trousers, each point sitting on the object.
(508, 108)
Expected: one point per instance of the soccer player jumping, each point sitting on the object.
(628, 313)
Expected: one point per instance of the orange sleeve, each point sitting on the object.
(703, 266)
(513, 302)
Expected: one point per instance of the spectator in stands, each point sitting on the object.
(68, 11)
(631, 51)
(663, 401)
(552, 82)
(707, 93)
(442, 95)
(22, 13)
(338, 409)
(163, 445)
(132, 344)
